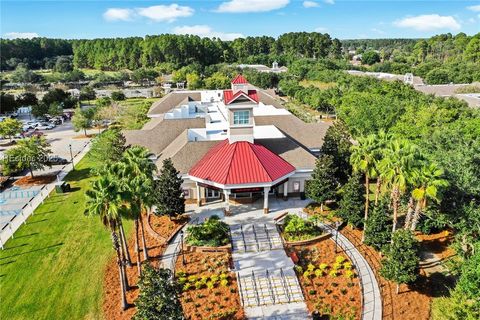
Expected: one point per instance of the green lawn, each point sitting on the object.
(54, 267)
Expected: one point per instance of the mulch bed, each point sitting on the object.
(164, 225)
(220, 302)
(412, 303)
(82, 136)
(328, 294)
(438, 243)
(111, 300)
(36, 180)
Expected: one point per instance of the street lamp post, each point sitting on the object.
(336, 238)
(183, 253)
(71, 156)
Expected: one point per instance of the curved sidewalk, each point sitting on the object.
(371, 296)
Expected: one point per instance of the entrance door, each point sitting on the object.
(213, 194)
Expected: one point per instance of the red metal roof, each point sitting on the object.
(229, 97)
(239, 79)
(240, 162)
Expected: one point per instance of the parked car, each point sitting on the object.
(55, 121)
(45, 126)
(55, 160)
(34, 133)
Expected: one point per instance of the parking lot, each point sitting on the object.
(61, 138)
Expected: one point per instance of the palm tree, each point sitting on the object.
(104, 200)
(363, 159)
(137, 170)
(112, 170)
(395, 170)
(429, 180)
(382, 139)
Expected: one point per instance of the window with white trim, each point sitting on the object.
(241, 117)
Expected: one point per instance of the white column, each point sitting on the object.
(199, 196)
(227, 201)
(285, 190)
(265, 199)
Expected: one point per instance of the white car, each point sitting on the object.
(45, 126)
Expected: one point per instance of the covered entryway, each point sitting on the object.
(240, 170)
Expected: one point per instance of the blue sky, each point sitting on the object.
(235, 18)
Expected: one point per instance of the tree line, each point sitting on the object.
(152, 51)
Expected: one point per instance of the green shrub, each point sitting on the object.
(224, 283)
(297, 229)
(182, 280)
(340, 259)
(323, 266)
(199, 284)
(319, 273)
(210, 284)
(213, 233)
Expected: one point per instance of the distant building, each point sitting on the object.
(263, 68)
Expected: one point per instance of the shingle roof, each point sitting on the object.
(241, 162)
(160, 136)
(290, 151)
(310, 135)
(172, 100)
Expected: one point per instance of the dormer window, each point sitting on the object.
(241, 117)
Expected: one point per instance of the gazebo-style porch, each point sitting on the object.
(240, 171)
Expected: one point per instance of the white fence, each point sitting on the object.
(12, 226)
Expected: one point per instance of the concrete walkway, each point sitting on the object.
(371, 296)
(274, 295)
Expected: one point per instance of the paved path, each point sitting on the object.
(268, 286)
(372, 298)
(371, 295)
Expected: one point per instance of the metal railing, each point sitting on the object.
(256, 239)
(268, 237)
(8, 230)
(285, 285)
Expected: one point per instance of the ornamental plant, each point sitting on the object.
(213, 232)
(323, 266)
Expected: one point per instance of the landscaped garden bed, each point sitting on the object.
(329, 281)
(36, 180)
(164, 226)
(210, 290)
(296, 230)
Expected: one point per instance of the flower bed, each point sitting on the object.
(328, 280)
(210, 290)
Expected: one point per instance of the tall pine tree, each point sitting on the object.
(337, 144)
(323, 185)
(168, 190)
(379, 226)
(352, 204)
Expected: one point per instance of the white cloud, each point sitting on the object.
(21, 35)
(206, 31)
(118, 14)
(321, 29)
(329, 1)
(165, 13)
(156, 13)
(474, 8)
(378, 31)
(310, 4)
(251, 5)
(428, 22)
